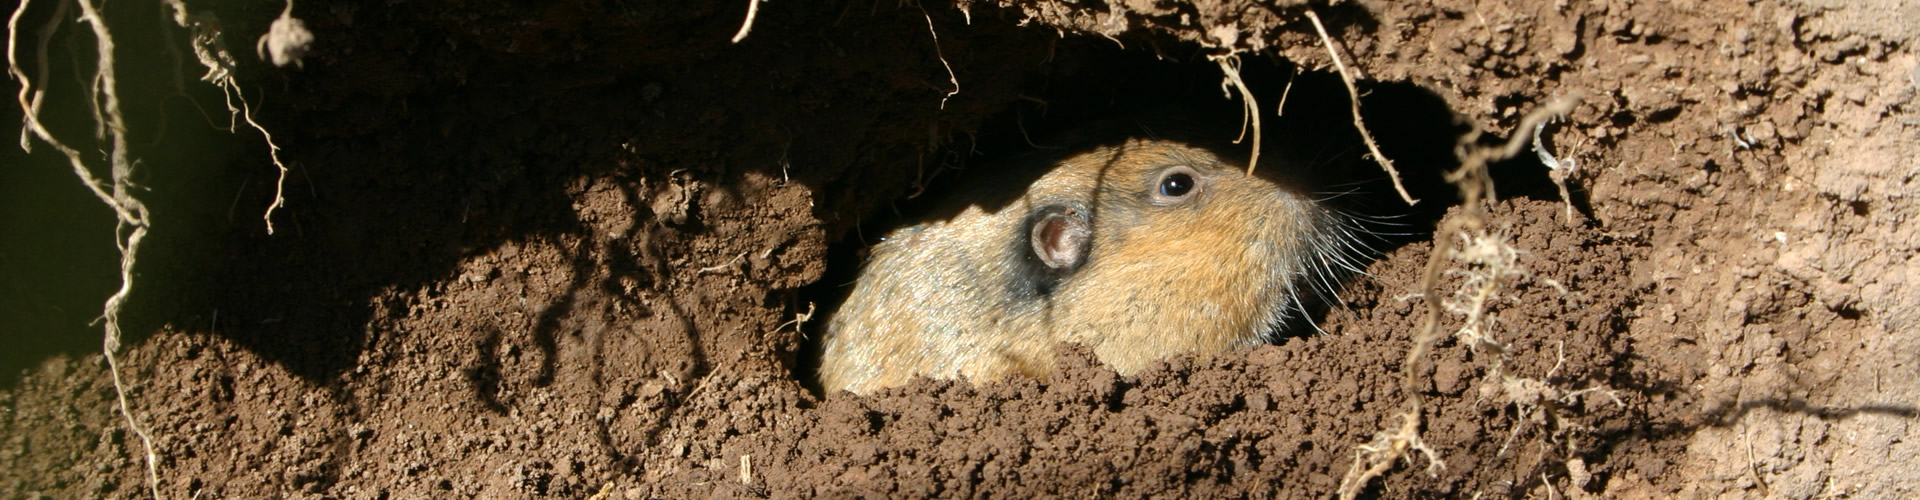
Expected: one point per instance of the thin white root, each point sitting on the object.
(720, 267)
(273, 151)
(120, 393)
(753, 9)
(1354, 93)
(286, 42)
(1250, 109)
(135, 228)
(1387, 447)
(943, 59)
(1281, 109)
(799, 320)
(129, 211)
(31, 107)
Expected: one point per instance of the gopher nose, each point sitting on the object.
(1060, 235)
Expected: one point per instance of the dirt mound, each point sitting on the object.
(580, 249)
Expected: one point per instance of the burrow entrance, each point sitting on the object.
(1093, 82)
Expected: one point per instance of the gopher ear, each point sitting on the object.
(1060, 237)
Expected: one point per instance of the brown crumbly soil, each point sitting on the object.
(559, 249)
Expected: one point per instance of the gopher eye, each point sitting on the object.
(1174, 185)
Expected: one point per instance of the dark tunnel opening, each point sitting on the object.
(1307, 127)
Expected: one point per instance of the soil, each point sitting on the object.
(580, 249)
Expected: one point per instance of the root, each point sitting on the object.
(273, 151)
(31, 98)
(117, 190)
(1020, 123)
(937, 52)
(720, 267)
(1387, 447)
(1557, 170)
(120, 389)
(1353, 94)
(134, 228)
(1230, 67)
(799, 321)
(287, 43)
(1493, 264)
(753, 9)
(1478, 250)
(1281, 109)
(1531, 396)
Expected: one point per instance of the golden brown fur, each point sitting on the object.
(981, 295)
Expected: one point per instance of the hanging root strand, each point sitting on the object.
(1468, 227)
(1250, 108)
(1353, 93)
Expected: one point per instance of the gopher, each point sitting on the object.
(1140, 249)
